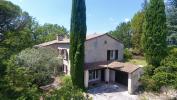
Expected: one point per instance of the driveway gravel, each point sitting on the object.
(111, 92)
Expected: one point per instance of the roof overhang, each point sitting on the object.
(115, 65)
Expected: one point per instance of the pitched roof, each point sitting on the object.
(125, 67)
(66, 41)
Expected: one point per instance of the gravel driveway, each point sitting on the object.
(111, 92)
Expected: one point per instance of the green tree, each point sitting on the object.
(123, 33)
(42, 62)
(77, 40)
(163, 76)
(9, 13)
(137, 31)
(29, 70)
(154, 35)
(48, 32)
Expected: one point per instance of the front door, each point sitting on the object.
(102, 75)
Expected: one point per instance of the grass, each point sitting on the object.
(138, 62)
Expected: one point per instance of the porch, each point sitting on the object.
(112, 72)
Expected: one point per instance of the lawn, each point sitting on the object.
(138, 61)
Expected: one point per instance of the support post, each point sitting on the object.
(107, 75)
(86, 78)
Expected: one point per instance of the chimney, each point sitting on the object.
(60, 37)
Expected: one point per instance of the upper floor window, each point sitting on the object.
(65, 56)
(112, 55)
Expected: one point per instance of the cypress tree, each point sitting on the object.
(154, 35)
(77, 39)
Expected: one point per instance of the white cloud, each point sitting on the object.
(21, 0)
(127, 20)
(111, 19)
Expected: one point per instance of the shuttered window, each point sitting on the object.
(112, 55)
(116, 54)
(108, 55)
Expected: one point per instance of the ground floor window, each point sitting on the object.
(93, 75)
(64, 69)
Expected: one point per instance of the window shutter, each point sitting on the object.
(116, 55)
(108, 55)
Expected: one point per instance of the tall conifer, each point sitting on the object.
(77, 39)
(154, 37)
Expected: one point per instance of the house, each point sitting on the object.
(103, 56)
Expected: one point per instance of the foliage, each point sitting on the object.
(29, 70)
(48, 32)
(42, 62)
(122, 33)
(127, 54)
(9, 12)
(154, 35)
(163, 76)
(137, 31)
(19, 82)
(77, 39)
(138, 62)
(66, 92)
(171, 11)
(21, 31)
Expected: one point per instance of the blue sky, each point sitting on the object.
(102, 15)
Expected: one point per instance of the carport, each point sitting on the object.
(113, 72)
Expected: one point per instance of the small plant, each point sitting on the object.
(127, 54)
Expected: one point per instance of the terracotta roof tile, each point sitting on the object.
(125, 67)
(66, 41)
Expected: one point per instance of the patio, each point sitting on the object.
(111, 92)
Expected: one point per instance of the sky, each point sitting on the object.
(102, 15)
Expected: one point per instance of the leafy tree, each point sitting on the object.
(42, 62)
(137, 31)
(163, 76)
(77, 40)
(9, 13)
(123, 33)
(154, 35)
(29, 70)
(48, 32)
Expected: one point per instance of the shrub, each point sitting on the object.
(155, 78)
(127, 54)
(66, 92)
(42, 63)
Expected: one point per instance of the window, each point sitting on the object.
(65, 55)
(93, 74)
(112, 55)
(116, 54)
(64, 69)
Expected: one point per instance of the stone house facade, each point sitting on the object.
(103, 61)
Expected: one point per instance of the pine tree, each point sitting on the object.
(77, 39)
(154, 35)
(137, 30)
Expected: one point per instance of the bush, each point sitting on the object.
(127, 54)
(66, 92)
(155, 78)
(42, 63)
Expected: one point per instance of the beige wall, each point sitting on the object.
(133, 80)
(96, 49)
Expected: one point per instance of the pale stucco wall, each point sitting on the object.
(96, 49)
(133, 80)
